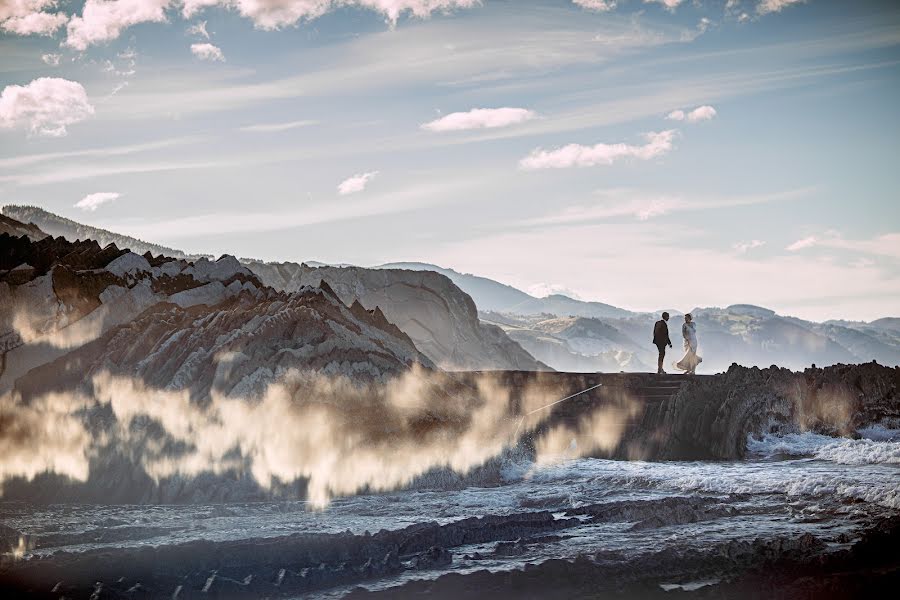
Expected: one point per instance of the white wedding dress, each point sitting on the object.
(690, 360)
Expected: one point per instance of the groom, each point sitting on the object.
(661, 340)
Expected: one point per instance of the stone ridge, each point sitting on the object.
(441, 319)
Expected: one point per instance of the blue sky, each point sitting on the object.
(534, 142)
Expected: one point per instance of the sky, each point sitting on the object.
(643, 153)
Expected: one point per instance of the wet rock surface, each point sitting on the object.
(782, 567)
(300, 564)
(308, 562)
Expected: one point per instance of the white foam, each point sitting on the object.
(876, 449)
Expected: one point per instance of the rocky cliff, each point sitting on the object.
(441, 319)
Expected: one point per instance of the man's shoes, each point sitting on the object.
(661, 372)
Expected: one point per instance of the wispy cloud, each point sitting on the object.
(807, 242)
(744, 247)
(92, 202)
(576, 155)
(480, 118)
(414, 197)
(701, 113)
(272, 127)
(46, 106)
(91, 171)
(33, 159)
(355, 184)
(615, 203)
(51, 59)
(199, 30)
(882, 245)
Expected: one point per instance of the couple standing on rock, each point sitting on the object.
(690, 360)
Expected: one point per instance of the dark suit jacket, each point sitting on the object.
(661, 334)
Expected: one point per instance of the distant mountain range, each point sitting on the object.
(574, 335)
(490, 295)
(57, 226)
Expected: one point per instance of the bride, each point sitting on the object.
(690, 360)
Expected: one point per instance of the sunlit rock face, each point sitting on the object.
(441, 319)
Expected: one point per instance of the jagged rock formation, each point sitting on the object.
(58, 226)
(57, 296)
(441, 320)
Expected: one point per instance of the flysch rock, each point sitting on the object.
(440, 318)
(128, 263)
(223, 269)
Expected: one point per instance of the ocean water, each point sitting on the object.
(787, 486)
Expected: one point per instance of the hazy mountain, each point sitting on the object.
(490, 295)
(56, 226)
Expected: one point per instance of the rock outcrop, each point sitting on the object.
(58, 296)
(440, 318)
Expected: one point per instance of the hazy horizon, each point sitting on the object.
(644, 154)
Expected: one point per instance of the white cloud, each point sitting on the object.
(669, 4)
(357, 183)
(207, 51)
(807, 242)
(36, 23)
(744, 247)
(275, 14)
(271, 127)
(199, 29)
(45, 106)
(575, 155)
(10, 9)
(701, 113)
(51, 59)
(480, 118)
(104, 20)
(770, 6)
(92, 202)
(598, 5)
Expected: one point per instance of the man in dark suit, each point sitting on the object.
(661, 340)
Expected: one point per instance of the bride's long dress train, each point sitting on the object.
(689, 361)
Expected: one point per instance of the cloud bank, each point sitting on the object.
(104, 20)
(576, 155)
(46, 106)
